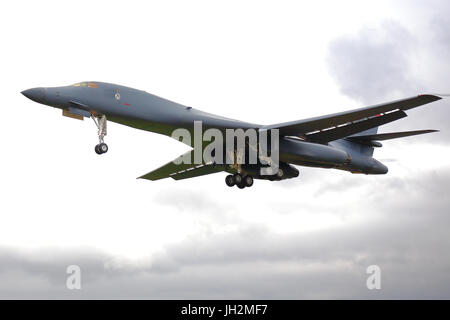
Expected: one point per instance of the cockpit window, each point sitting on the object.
(84, 84)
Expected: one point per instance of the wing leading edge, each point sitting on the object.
(339, 125)
(182, 170)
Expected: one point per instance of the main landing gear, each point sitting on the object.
(239, 180)
(100, 122)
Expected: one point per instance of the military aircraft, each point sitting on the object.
(344, 140)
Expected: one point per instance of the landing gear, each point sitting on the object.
(100, 122)
(101, 148)
(248, 181)
(229, 180)
(241, 185)
(238, 180)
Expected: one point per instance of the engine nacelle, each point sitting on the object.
(306, 153)
(285, 171)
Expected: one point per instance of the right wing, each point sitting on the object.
(183, 170)
(339, 125)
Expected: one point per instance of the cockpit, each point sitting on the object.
(86, 84)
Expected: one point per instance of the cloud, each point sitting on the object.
(389, 62)
(196, 203)
(374, 64)
(406, 234)
(189, 200)
(235, 244)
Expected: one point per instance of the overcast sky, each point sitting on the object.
(258, 61)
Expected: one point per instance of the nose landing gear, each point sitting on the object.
(100, 122)
(101, 148)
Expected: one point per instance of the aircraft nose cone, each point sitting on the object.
(35, 94)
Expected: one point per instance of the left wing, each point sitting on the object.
(339, 125)
(388, 136)
(183, 170)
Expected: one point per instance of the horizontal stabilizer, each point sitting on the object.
(388, 136)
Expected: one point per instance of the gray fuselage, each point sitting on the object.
(142, 110)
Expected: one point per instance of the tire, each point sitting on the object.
(229, 180)
(237, 178)
(97, 149)
(241, 185)
(103, 147)
(248, 181)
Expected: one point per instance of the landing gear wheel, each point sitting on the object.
(229, 180)
(103, 147)
(237, 178)
(248, 181)
(100, 122)
(241, 185)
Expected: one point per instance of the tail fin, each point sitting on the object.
(362, 147)
(370, 131)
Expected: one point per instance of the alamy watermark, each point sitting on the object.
(374, 280)
(240, 145)
(73, 281)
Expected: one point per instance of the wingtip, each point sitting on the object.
(428, 131)
(144, 177)
(431, 97)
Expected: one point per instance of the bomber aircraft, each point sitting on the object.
(344, 140)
